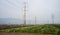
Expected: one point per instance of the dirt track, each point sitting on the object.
(22, 34)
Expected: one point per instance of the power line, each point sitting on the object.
(11, 3)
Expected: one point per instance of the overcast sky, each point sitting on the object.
(42, 9)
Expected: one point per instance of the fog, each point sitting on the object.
(42, 9)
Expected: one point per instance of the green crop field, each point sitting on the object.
(42, 29)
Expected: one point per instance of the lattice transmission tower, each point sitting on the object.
(25, 11)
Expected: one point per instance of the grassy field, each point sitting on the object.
(40, 29)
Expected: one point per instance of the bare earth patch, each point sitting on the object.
(3, 33)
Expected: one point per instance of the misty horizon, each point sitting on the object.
(42, 9)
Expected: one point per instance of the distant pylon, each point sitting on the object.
(25, 12)
(52, 18)
(48, 21)
(35, 20)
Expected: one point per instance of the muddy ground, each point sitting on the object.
(1, 33)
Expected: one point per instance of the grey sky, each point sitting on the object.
(42, 9)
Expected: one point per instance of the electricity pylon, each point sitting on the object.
(25, 12)
(52, 18)
(35, 20)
